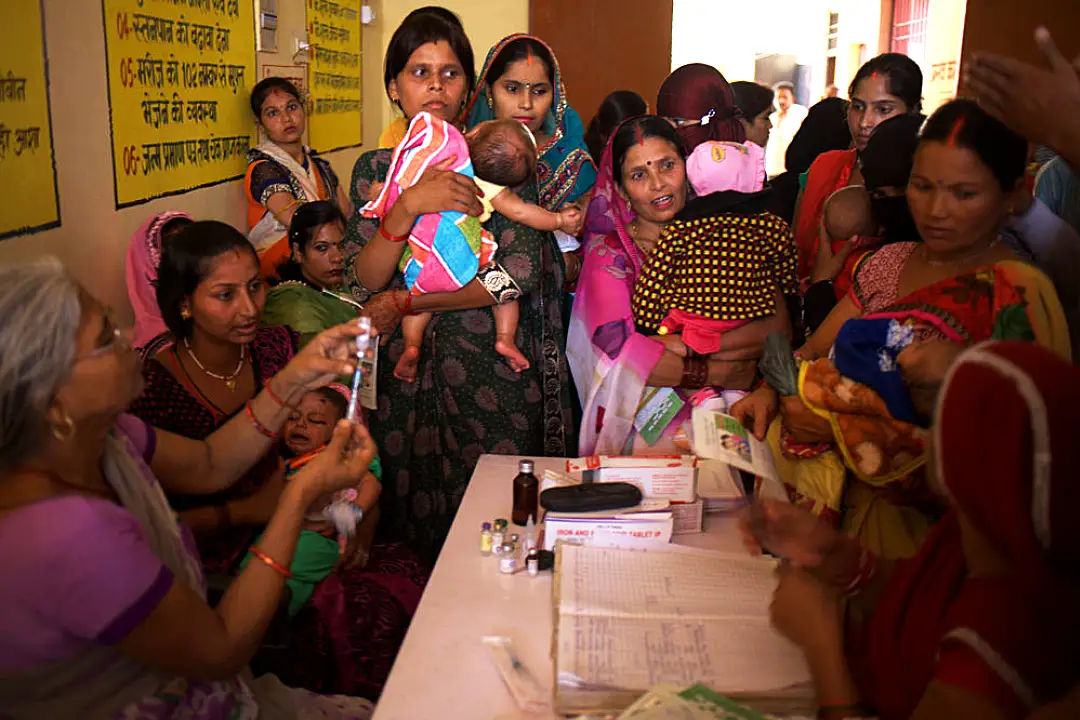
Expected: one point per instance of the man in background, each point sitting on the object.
(785, 123)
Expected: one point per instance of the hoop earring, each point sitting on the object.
(66, 430)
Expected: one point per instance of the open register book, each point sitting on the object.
(628, 620)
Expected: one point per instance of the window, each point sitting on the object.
(909, 28)
(834, 29)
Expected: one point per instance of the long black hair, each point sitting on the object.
(305, 225)
(617, 107)
(521, 49)
(752, 98)
(186, 260)
(421, 28)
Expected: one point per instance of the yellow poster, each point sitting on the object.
(334, 74)
(180, 76)
(27, 170)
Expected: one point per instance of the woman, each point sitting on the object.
(211, 295)
(143, 258)
(886, 86)
(466, 400)
(982, 622)
(755, 104)
(521, 80)
(282, 172)
(644, 173)
(700, 103)
(312, 296)
(959, 285)
(104, 602)
(617, 107)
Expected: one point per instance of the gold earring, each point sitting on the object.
(65, 430)
(491, 105)
(185, 313)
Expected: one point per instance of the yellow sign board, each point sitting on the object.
(27, 169)
(334, 75)
(180, 77)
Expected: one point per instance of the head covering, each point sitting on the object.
(720, 166)
(887, 159)
(565, 169)
(143, 259)
(344, 391)
(693, 92)
(865, 351)
(825, 128)
(609, 215)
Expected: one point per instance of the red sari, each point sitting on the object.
(1007, 458)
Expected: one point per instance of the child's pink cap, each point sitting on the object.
(341, 389)
(716, 166)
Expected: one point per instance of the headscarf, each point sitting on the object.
(143, 259)
(825, 128)
(1006, 456)
(886, 162)
(565, 169)
(691, 93)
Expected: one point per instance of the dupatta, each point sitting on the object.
(143, 258)
(565, 169)
(610, 362)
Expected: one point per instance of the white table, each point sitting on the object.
(443, 670)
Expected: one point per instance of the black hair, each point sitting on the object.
(497, 159)
(419, 29)
(521, 49)
(903, 78)
(335, 398)
(752, 98)
(266, 86)
(965, 124)
(782, 85)
(635, 131)
(186, 260)
(438, 11)
(305, 225)
(617, 106)
(174, 226)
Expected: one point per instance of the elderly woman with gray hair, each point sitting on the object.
(103, 604)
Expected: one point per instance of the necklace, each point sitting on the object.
(962, 259)
(229, 380)
(643, 246)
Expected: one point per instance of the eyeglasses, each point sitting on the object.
(109, 339)
(691, 122)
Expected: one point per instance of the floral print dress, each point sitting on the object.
(466, 400)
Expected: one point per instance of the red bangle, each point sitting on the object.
(392, 238)
(695, 372)
(277, 398)
(258, 425)
(269, 561)
(406, 307)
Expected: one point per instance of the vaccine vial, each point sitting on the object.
(486, 542)
(532, 563)
(507, 560)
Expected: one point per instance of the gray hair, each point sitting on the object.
(40, 314)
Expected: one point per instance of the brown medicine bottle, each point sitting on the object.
(526, 494)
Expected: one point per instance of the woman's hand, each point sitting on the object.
(384, 310)
(757, 410)
(573, 262)
(806, 611)
(805, 425)
(329, 355)
(374, 190)
(440, 189)
(341, 465)
(732, 374)
(788, 531)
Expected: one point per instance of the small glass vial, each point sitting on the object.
(486, 543)
(532, 562)
(498, 535)
(526, 494)
(507, 560)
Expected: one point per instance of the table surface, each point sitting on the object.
(443, 670)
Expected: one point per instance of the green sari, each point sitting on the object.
(304, 309)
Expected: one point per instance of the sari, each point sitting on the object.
(1006, 457)
(870, 480)
(830, 172)
(99, 681)
(565, 170)
(143, 258)
(305, 309)
(270, 171)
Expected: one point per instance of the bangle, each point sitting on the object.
(223, 514)
(695, 372)
(262, 429)
(276, 398)
(269, 561)
(864, 573)
(406, 307)
(392, 238)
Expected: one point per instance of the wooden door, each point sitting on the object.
(606, 45)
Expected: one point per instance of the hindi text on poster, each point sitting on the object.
(180, 74)
(334, 74)
(27, 169)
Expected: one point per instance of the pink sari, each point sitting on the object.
(143, 258)
(609, 360)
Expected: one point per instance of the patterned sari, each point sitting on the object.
(870, 480)
(565, 170)
(347, 636)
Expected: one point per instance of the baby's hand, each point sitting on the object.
(374, 190)
(571, 220)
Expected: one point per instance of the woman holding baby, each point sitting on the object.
(464, 398)
(850, 444)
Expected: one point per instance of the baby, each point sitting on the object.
(720, 263)
(446, 250)
(320, 546)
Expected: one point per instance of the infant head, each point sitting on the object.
(502, 151)
(310, 426)
(923, 366)
(847, 213)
